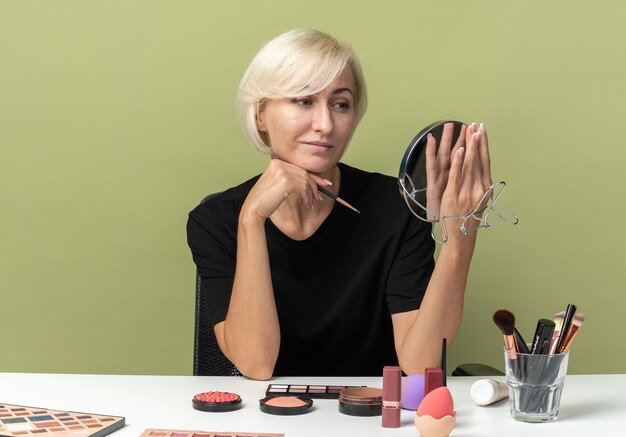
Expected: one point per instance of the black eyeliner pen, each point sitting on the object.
(338, 199)
(567, 321)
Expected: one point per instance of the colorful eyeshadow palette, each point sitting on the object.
(182, 433)
(17, 420)
(312, 391)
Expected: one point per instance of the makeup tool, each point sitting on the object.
(578, 321)
(412, 391)
(286, 405)
(521, 345)
(361, 401)
(444, 348)
(542, 337)
(17, 420)
(150, 432)
(216, 401)
(488, 391)
(391, 396)
(505, 320)
(535, 380)
(558, 325)
(337, 199)
(311, 391)
(567, 321)
(435, 416)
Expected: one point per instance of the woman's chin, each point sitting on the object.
(317, 165)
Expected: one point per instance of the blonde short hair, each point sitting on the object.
(298, 63)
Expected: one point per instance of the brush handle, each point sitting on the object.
(522, 347)
(567, 321)
(327, 193)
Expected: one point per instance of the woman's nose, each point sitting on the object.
(322, 121)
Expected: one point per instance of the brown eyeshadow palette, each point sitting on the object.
(182, 433)
(311, 391)
(17, 420)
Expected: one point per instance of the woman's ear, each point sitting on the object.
(260, 118)
(260, 125)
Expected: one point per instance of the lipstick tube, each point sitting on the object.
(391, 396)
(433, 378)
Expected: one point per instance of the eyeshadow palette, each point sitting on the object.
(17, 420)
(312, 391)
(181, 433)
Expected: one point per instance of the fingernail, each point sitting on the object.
(328, 182)
(321, 197)
(482, 127)
(430, 136)
(473, 127)
(461, 150)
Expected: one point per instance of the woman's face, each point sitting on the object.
(312, 132)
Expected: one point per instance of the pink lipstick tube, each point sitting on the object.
(391, 396)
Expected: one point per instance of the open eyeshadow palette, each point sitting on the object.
(311, 391)
(17, 420)
(181, 433)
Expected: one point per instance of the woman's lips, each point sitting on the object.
(318, 145)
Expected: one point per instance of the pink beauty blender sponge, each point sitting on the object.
(435, 416)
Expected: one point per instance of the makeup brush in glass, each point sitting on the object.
(567, 322)
(505, 320)
(338, 199)
(558, 324)
(578, 321)
(520, 344)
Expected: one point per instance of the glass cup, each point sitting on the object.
(535, 385)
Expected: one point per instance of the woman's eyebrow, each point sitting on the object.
(341, 90)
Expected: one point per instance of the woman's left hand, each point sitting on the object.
(438, 166)
(469, 179)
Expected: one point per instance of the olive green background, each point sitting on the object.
(117, 117)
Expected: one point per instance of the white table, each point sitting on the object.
(591, 405)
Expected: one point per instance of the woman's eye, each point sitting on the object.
(303, 101)
(342, 106)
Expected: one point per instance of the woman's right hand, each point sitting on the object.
(279, 181)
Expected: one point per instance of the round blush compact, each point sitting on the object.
(286, 405)
(216, 401)
(361, 401)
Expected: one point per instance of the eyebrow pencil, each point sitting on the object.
(338, 199)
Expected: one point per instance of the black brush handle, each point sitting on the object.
(521, 344)
(328, 193)
(567, 321)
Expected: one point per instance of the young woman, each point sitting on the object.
(301, 285)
